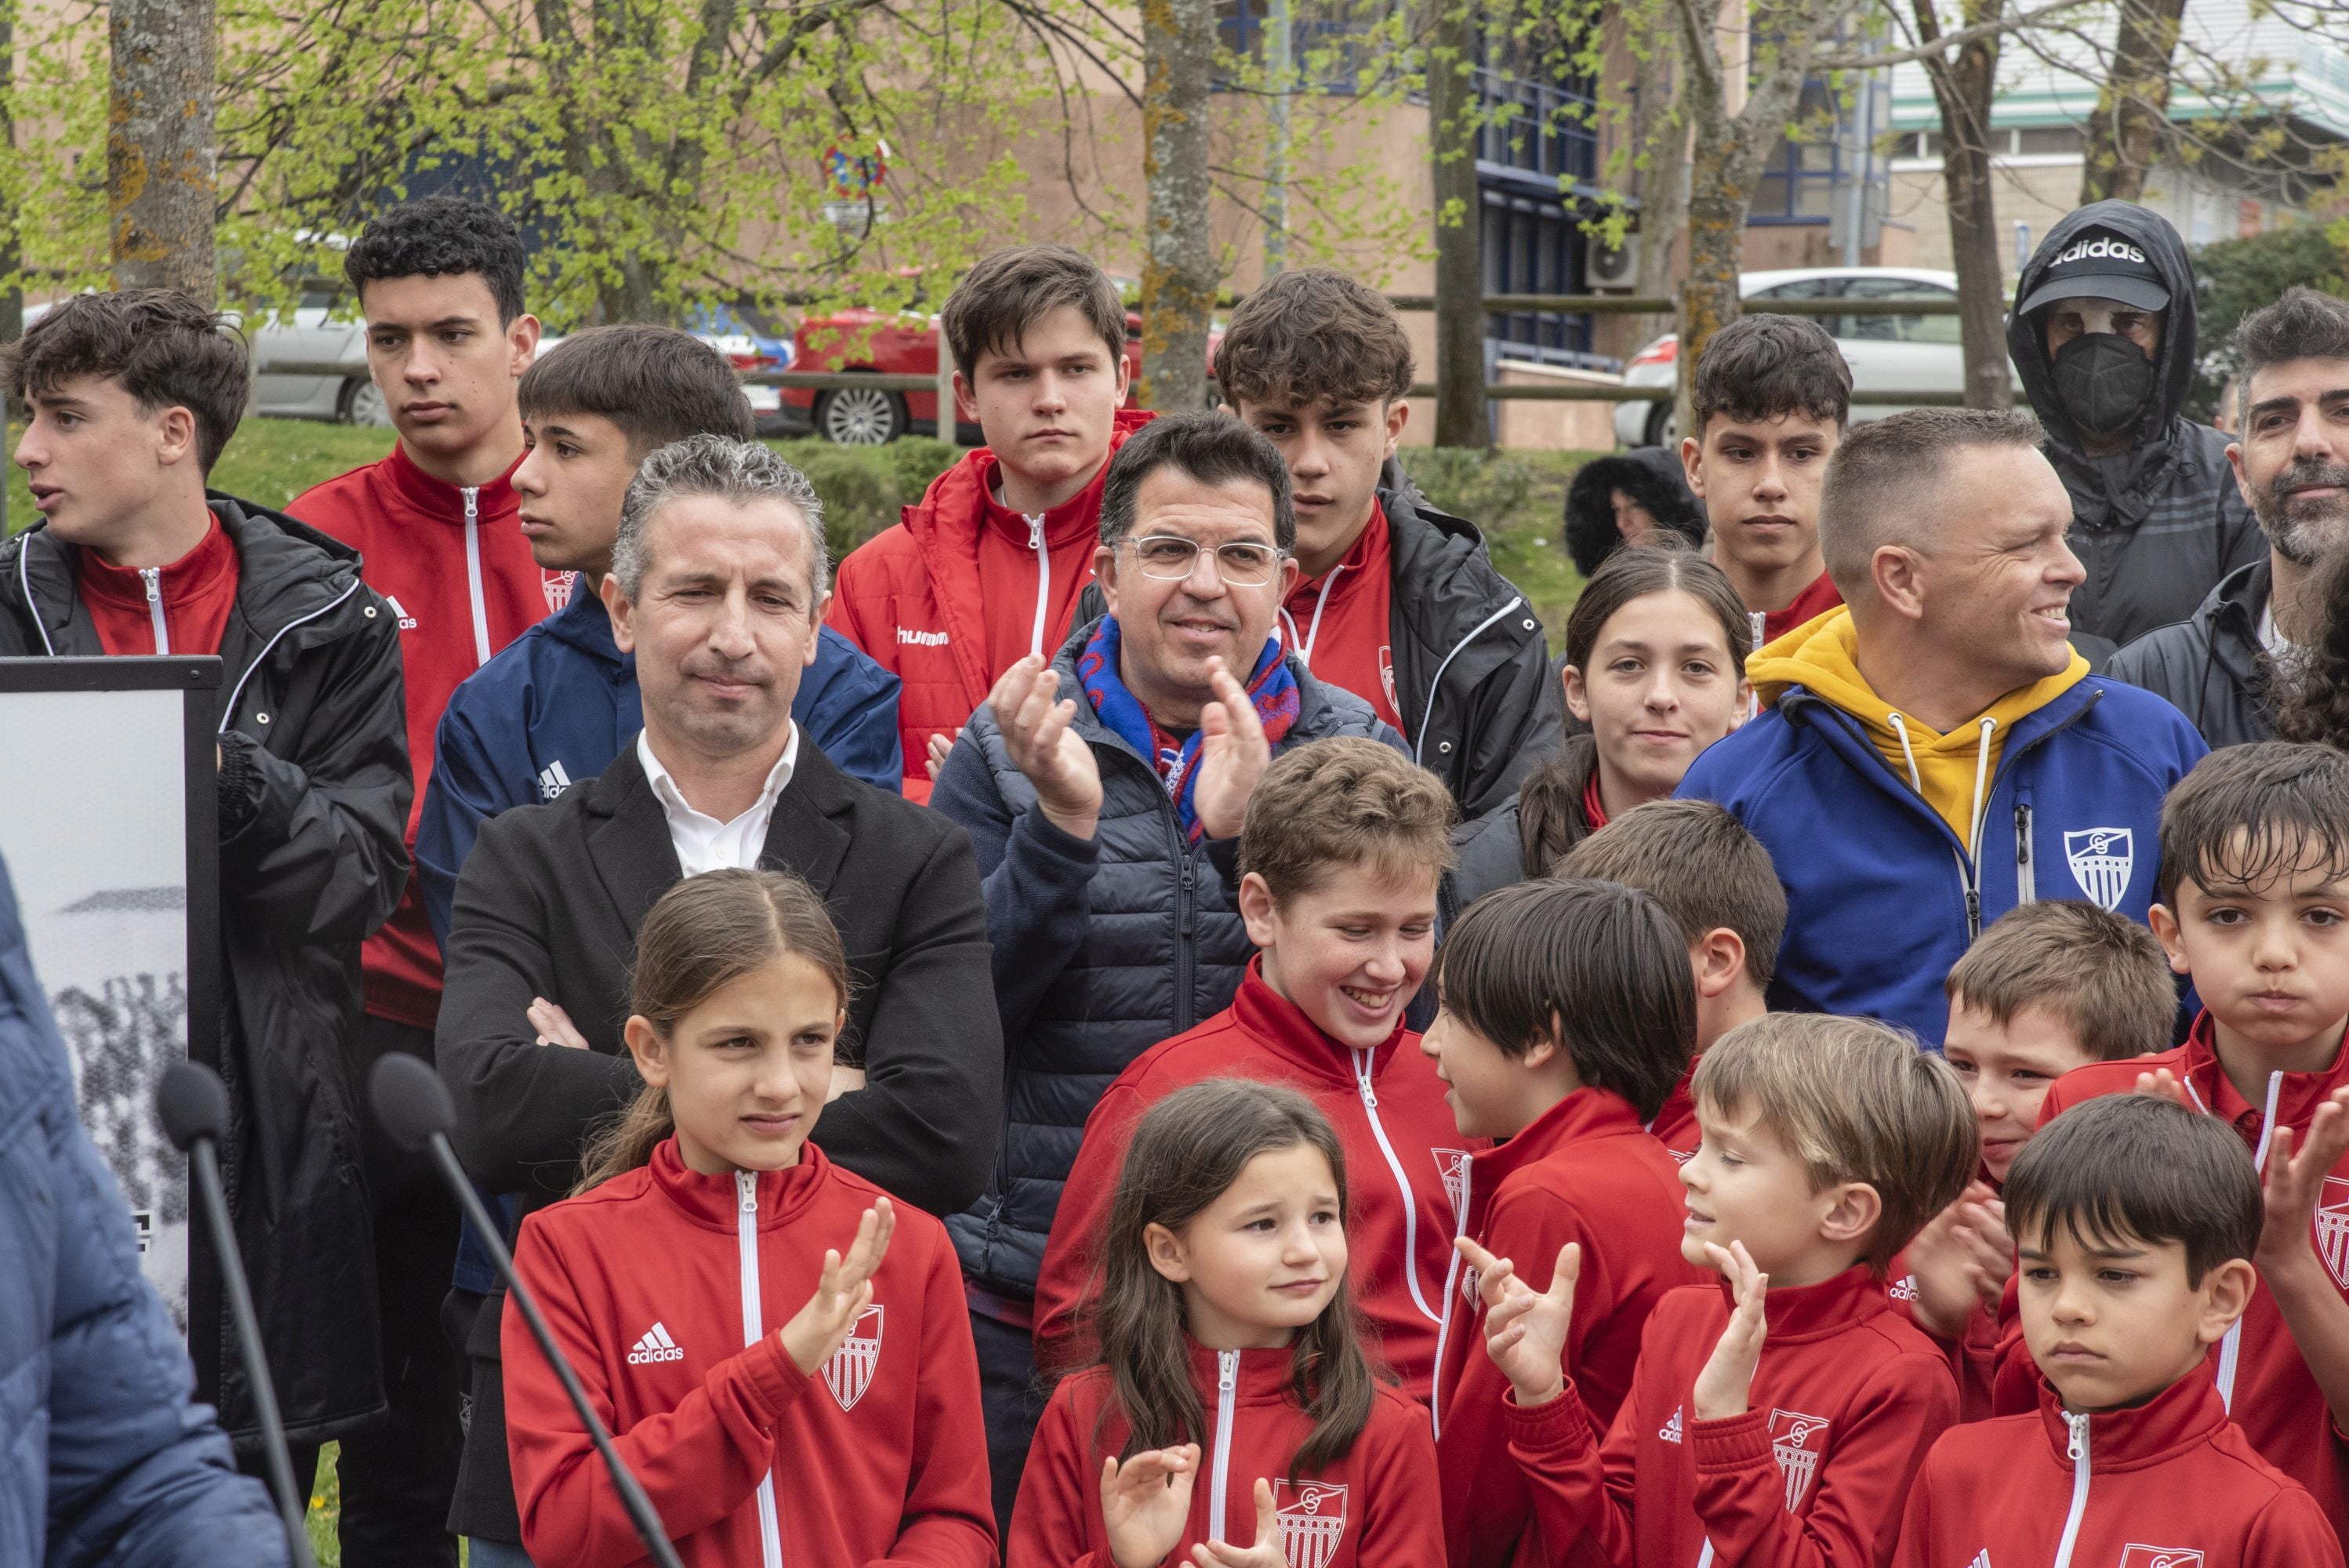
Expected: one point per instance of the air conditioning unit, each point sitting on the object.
(1618, 270)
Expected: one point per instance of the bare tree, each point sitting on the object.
(1179, 274)
(1963, 83)
(1659, 141)
(159, 149)
(2126, 131)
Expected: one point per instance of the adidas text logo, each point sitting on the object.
(1672, 1429)
(656, 1346)
(2113, 250)
(406, 621)
(552, 780)
(921, 639)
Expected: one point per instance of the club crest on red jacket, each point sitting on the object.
(850, 1371)
(1793, 1445)
(2135, 1556)
(1312, 1519)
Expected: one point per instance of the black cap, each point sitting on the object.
(2098, 264)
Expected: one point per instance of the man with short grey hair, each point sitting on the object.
(717, 587)
(1937, 753)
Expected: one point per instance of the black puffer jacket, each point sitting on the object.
(2158, 525)
(313, 795)
(1103, 947)
(2212, 666)
(1654, 477)
(1493, 852)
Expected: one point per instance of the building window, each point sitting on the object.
(1534, 246)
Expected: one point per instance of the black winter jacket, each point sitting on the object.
(1491, 852)
(2212, 666)
(1652, 475)
(2158, 525)
(313, 796)
(1471, 669)
(1103, 947)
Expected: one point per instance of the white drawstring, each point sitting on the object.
(1982, 776)
(1304, 650)
(1901, 729)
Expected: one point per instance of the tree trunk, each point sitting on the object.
(1963, 87)
(1660, 133)
(159, 149)
(2132, 116)
(1179, 274)
(1462, 419)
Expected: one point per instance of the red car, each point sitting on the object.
(890, 345)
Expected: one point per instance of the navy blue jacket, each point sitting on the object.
(1878, 896)
(559, 702)
(104, 1455)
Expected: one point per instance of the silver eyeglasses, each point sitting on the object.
(1171, 558)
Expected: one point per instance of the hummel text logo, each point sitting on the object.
(656, 1346)
(921, 639)
(552, 780)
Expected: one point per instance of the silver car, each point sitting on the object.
(1885, 353)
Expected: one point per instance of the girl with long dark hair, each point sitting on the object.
(1231, 1417)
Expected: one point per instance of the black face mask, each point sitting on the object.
(2103, 382)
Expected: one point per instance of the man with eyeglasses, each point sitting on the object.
(1103, 793)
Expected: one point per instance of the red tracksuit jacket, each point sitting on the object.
(647, 1282)
(2169, 1484)
(1847, 1399)
(1585, 1170)
(1375, 1508)
(1337, 623)
(961, 589)
(457, 573)
(2261, 1376)
(1675, 1126)
(1403, 1159)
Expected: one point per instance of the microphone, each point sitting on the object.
(191, 1104)
(413, 1108)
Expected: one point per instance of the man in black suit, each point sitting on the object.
(717, 587)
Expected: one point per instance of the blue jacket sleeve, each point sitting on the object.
(848, 703)
(1036, 882)
(137, 1473)
(466, 790)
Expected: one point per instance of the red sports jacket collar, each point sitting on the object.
(1794, 1314)
(2297, 1094)
(1282, 1024)
(1075, 521)
(1587, 1113)
(1264, 1375)
(1369, 549)
(2181, 1416)
(123, 588)
(445, 502)
(713, 1201)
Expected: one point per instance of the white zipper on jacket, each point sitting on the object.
(1970, 863)
(2026, 876)
(2230, 1349)
(1043, 578)
(1436, 685)
(24, 582)
(1303, 649)
(1227, 1383)
(153, 577)
(1451, 1287)
(473, 575)
(746, 1234)
(2076, 1450)
(1403, 1183)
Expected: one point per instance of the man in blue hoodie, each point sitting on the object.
(556, 706)
(1936, 752)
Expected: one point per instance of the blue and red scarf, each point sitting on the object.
(1269, 686)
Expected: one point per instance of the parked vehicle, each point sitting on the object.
(746, 347)
(883, 343)
(1885, 353)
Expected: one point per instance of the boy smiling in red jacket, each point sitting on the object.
(2137, 1220)
(1778, 1417)
(1339, 859)
(2254, 905)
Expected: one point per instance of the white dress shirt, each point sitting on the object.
(703, 842)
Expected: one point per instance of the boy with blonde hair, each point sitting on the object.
(1781, 1419)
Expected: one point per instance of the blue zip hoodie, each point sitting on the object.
(1882, 897)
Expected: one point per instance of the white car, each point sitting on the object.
(1885, 353)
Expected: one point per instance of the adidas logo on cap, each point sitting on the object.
(656, 1346)
(2106, 249)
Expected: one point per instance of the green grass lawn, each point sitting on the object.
(1517, 498)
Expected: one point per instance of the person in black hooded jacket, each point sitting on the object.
(1617, 499)
(2104, 340)
(132, 397)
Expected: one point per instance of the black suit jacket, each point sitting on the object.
(548, 906)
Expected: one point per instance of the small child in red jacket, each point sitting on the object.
(1567, 1012)
(1717, 883)
(2136, 1219)
(1231, 1419)
(848, 1437)
(1338, 861)
(1777, 1416)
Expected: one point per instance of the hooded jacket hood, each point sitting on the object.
(2026, 340)
(1654, 477)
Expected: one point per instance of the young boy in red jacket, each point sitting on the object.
(440, 284)
(1778, 1416)
(1339, 860)
(2254, 905)
(2137, 1221)
(987, 568)
(1716, 881)
(1566, 1013)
